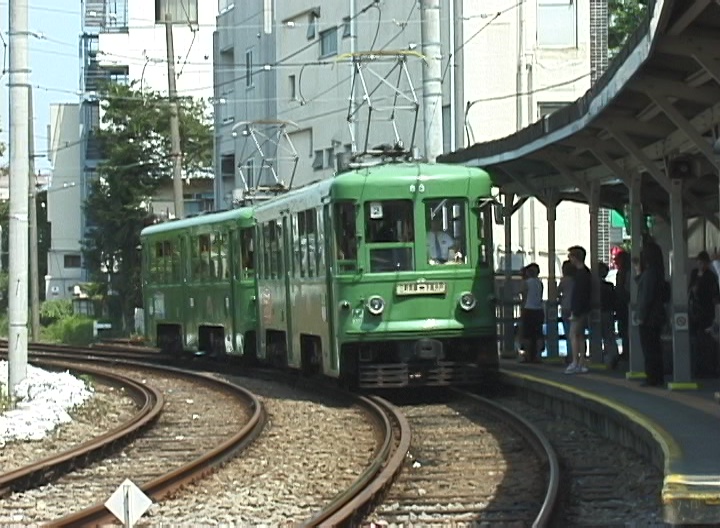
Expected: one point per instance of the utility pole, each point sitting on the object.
(33, 224)
(174, 120)
(432, 78)
(458, 95)
(19, 172)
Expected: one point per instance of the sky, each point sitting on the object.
(54, 64)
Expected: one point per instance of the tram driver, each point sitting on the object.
(441, 245)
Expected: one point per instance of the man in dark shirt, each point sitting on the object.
(579, 309)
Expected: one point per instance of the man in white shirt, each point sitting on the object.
(439, 243)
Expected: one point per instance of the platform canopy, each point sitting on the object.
(656, 109)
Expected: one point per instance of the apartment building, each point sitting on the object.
(120, 41)
(509, 65)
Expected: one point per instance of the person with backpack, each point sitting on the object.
(650, 313)
(608, 303)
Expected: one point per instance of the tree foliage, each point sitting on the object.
(624, 18)
(134, 138)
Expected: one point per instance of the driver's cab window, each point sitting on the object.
(390, 235)
(345, 237)
(446, 231)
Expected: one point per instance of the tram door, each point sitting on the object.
(330, 352)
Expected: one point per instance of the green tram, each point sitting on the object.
(381, 276)
(199, 284)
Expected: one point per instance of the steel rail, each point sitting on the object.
(149, 399)
(349, 507)
(539, 443)
(190, 472)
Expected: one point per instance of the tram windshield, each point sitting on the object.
(446, 222)
(390, 235)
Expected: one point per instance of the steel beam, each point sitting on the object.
(595, 322)
(682, 372)
(672, 88)
(569, 176)
(710, 64)
(636, 360)
(683, 124)
(507, 349)
(688, 45)
(693, 11)
(550, 198)
(648, 164)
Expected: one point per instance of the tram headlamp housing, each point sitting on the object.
(375, 305)
(467, 301)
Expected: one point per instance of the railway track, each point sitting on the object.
(471, 461)
(197, 431)
(149, 401)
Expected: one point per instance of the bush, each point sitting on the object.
(54, 310)
(74, 330)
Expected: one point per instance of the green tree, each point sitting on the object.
(134, 138)
(624, 18)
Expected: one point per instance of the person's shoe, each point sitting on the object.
(582, 370)
(572, 368)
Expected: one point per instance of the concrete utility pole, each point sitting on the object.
(19, 172)
(33, 224)
(458, 58)
(174, 120)
(432, 79)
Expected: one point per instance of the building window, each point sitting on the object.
(116, 15)
(328, 42)
(72, 261)
(248, 68)
(119, 75)
(181, 11)
(292, 87)
(311, 26)
(330, 153)
(347, 29)
(545, 109)
(317, 163)
(557, 23)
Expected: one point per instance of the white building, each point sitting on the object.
(120, 41)
(506, 90)
(520, 61)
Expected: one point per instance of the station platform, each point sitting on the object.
(679, 431)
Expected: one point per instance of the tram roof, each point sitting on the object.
(242, 213)
(660, 98)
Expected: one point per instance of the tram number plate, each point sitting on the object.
(420, 288)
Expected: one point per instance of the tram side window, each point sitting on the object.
(306, 245)
(266, 250)
(389, 228)
(445, 221)
(157, 265)
(247, 245)
(175, 261)
(320, 241)
(346, 236)
(485, 235)
(204, 259)
(275, 249)
(221, 241)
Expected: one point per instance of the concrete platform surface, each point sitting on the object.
(684, 426)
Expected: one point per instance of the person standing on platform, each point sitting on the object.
(607, 315)
(622, 307)
(533, 315)
(703, 294)
(565, 289)
(651, 316)
(579, 309)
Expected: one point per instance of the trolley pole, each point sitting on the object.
(174, 120)
(33, 225)
(432, 79)
(19, 175)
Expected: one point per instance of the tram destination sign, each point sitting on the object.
(421, 288)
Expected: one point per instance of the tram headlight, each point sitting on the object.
(375, 305)
(467, 301)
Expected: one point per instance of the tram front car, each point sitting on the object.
(413, 279)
